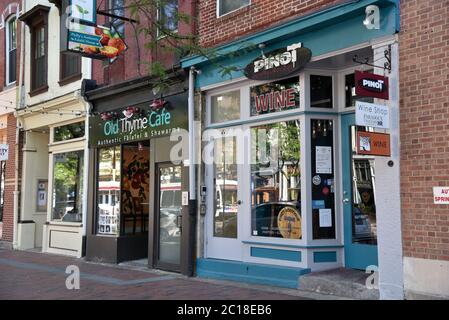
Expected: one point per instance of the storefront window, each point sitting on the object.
(321, 91)
(225, 107)
(226, 186)
(364, 224)
(135, 190)
(276, 180)
(108, 192)
(68, 186)
(322, 180)
(275, 96)
(69, 131)
(351, 97)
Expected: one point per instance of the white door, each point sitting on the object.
(226, 199)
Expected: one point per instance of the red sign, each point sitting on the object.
(373, 143)
(371, 85)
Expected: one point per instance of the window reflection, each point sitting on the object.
(135, 190)
(226, 184)
(275, 180)
(225, 107)
(68, 186)
(364, 224)
(109, 190)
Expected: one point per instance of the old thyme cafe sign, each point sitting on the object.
(279, 63)
(136, 123)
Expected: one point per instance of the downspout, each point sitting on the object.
(87, 108)
(20, 104)
(192, 142)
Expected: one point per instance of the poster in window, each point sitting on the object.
(323, 159)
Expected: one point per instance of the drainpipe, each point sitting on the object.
(87, 107)
(192, 163)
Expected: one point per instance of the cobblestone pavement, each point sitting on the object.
(31, 275)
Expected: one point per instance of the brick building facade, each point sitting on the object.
(424, 85)
(261, 14)
(9, 74)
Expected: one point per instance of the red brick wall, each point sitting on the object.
(128, 66)
(261, 14)
(8, 204)
(424, 92)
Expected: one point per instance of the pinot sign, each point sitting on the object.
(279, 63)
(371, 85)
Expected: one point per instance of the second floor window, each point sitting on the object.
(70, 66)
(11, 50)
(118, 8)
(39, 64)
(167, 17)
(227, 6)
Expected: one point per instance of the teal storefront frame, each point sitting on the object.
(322, 32)
(336, 28)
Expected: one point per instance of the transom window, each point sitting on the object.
(69, 131)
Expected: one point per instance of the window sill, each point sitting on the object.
(37, 91)
(69, 79)
(9, 85)
(65, 224)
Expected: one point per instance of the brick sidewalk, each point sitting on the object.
(30, 275)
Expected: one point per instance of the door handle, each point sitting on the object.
(239, 202)
(345, 200)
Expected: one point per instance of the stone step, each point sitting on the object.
(339, 282)
(257, 273)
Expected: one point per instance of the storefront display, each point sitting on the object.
(68, 186)
(275, 180)
(322, 178)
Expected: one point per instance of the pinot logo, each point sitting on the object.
(374, 85)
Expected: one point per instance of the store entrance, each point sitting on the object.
(359, 200)
(168, 211)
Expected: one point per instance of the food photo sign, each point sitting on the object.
(95, 42)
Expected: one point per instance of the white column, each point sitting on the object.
(387, 180)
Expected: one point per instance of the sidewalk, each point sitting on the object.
(30, 275)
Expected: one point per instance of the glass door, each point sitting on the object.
(169, 216)
(227, 198)
(359, 200)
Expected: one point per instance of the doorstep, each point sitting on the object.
(256, 273)
(340, 282)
